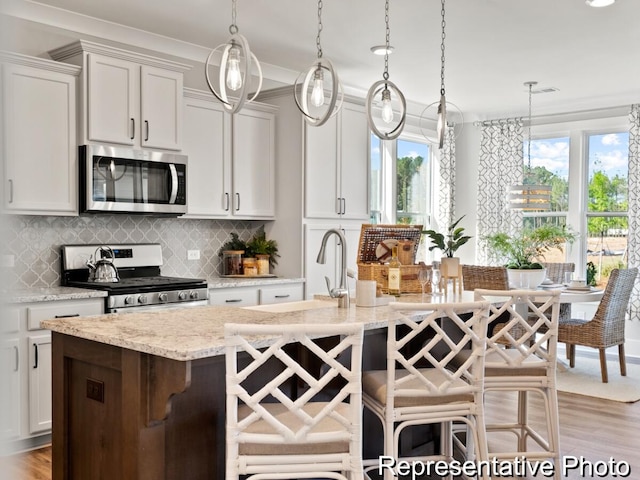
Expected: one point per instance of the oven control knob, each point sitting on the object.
(142, 299)
(182, 295)
(193, 295)
(128, 300)
(163, 297)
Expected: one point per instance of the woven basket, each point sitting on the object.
(370, 268)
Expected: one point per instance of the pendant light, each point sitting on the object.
(392, 122)
(236, 66)
(529, 196)
(446, 113)
(310, 88)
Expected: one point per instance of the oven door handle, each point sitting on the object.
(174, 183)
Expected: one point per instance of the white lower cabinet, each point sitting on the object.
(256, 295)
(26, 365)
(10, 373)
(39, 368)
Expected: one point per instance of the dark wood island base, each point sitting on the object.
(119, 413)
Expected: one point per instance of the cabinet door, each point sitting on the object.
(207, 143)
(253, 155)
(113, 100)
(10, 404)
(354, 162)
(161, 108)
(322, 195)
(39, 141)
(39, 383)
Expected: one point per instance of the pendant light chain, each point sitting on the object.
(385, 75)
(233, 28)
(442, 51)
(529, 130)
(319, 29)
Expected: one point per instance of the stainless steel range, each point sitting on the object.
(139, 285)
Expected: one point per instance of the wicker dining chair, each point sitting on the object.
(275, 430)
(606, 328)
(481, 276)
(421, 387)
(526, 364)
(490, 278)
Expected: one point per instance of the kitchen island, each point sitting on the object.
(141, 396)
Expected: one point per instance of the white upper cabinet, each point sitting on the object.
(253, 154)
(231, 159)
(207, 144)
(128, 98)
(39, 136)
(337, 166)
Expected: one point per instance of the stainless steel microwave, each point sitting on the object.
(123, 180)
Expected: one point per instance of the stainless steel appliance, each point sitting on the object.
(140, 286)
(123, 180)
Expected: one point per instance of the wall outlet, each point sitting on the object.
(193, 254)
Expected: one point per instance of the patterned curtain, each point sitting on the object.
(501, 165)
(447, 175)
(634, 204)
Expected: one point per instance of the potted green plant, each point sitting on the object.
(448, 244)
(261, 248)
(523, 251)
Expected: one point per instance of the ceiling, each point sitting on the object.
(591, 55)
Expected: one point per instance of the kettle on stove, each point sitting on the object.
(101, 267)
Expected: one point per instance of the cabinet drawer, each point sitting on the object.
(234, 297)
(67, 308)
(280, 294)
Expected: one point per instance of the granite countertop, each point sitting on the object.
(193, 333)
(46, 294)
(229, 282)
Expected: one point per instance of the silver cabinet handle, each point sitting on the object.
(69, 315)
(237, 202)
(35, 346)
(233, 300)
(226, 196)
(338, 205)
(344, 206)
(10, 191)
(17, 358)
(133, 128)
(146, 124)
(283, 296)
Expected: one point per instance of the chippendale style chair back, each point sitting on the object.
(521, 357)
(422, 385)
(283, 421)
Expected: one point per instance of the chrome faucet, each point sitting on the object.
(342, 292)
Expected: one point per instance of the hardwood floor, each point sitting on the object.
(592, 428)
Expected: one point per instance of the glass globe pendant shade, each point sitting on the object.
(318, 92)
(237, 64)
(392, 105)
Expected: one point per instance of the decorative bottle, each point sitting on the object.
(394, 273)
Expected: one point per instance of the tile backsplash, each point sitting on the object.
(34, 243)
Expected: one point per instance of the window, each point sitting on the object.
(587, 165)
(549, 166)
(401, 181)
(607, 201)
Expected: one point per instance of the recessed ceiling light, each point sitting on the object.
(600, 3)
(381, 49)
